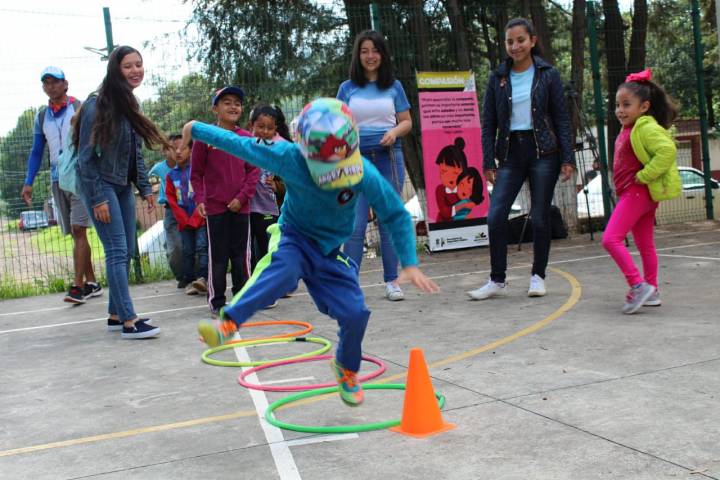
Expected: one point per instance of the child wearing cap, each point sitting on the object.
(223, 186)
(323, 173)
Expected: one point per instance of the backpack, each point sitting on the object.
(67, 167)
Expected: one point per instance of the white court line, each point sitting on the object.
(289, 380)
(68, 307)
(557, 262)
(279, 447)
(284, 461)
(40, 327)
(688, 256)
(322, 438)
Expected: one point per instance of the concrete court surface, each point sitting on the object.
(558, 387)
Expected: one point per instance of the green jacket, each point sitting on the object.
(656, 150)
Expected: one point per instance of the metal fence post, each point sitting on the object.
(599, 109)
(702, 107)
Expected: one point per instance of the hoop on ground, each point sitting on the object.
(249, 343)
(365, 427)
(299, 388)
(307, 329)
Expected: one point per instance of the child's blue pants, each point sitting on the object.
(331, 280)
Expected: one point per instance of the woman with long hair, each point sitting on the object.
(382, 112)
(108, 134)
(526, 128)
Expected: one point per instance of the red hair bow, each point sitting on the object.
(644, 76)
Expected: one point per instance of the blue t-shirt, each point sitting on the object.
(160, 170)
(374, 109)
(325, 216)
(521, 83)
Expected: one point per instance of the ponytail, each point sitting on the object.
(530, 29)
(276, 114)
(662, 106)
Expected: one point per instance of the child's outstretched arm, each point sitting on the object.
(272, 156)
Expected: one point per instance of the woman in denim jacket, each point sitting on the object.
(108, 142)
(526, 128)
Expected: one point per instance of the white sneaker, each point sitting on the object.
(537, 286)
(393, 292)
(490, 289)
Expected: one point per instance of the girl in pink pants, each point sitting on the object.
(644, 172)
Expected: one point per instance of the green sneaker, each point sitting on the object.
(217, 333)
(350, 390)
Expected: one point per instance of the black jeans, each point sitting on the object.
(259, 222)
(522, 163)
(229, 240)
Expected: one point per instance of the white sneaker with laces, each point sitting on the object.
(393, 292)
(490, 289)
(537, 286)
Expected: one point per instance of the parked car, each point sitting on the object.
(33, 219)
(690, 205)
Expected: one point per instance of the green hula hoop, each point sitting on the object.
(248, 343)
(365, 427)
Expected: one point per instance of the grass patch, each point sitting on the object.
(40, 286)
(52, 241)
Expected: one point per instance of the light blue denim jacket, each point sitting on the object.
(112, 163)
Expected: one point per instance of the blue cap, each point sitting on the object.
(237, 91)
(53, 72)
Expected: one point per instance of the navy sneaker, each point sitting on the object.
(75, 295)
(114, 325)
(141, 329)
(91, 289)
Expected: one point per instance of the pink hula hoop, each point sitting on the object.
(299, 388)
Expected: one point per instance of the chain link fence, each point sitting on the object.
(287, 53)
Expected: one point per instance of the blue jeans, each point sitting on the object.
(522, 163)
(389, 161)
(118, 239)
(331, 281)
(194, 242)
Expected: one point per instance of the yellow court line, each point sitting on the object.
(128, 433)
(576, 291)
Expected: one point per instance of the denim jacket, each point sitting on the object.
(550, 116)
(112, 163)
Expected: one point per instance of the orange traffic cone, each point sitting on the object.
(421, 413)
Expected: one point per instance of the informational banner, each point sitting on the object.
(456, 192)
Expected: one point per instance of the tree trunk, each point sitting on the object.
(411, 143)
(537, 12)
(616, 71)
(636, 62)
(492, 52)
(459, 33)
(501, 19)
(577, 62)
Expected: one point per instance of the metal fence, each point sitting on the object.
(307, 55)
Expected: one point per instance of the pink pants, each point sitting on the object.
(635, 211)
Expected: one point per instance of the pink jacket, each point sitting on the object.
(217, 178)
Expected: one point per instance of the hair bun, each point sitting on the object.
(460, 143)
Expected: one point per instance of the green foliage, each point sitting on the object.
(14, 151)
(177, 103)
(52, 241)
(9, 288)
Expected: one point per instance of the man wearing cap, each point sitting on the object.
(52, 128)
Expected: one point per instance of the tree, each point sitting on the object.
(617, 68)
(14, 151)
